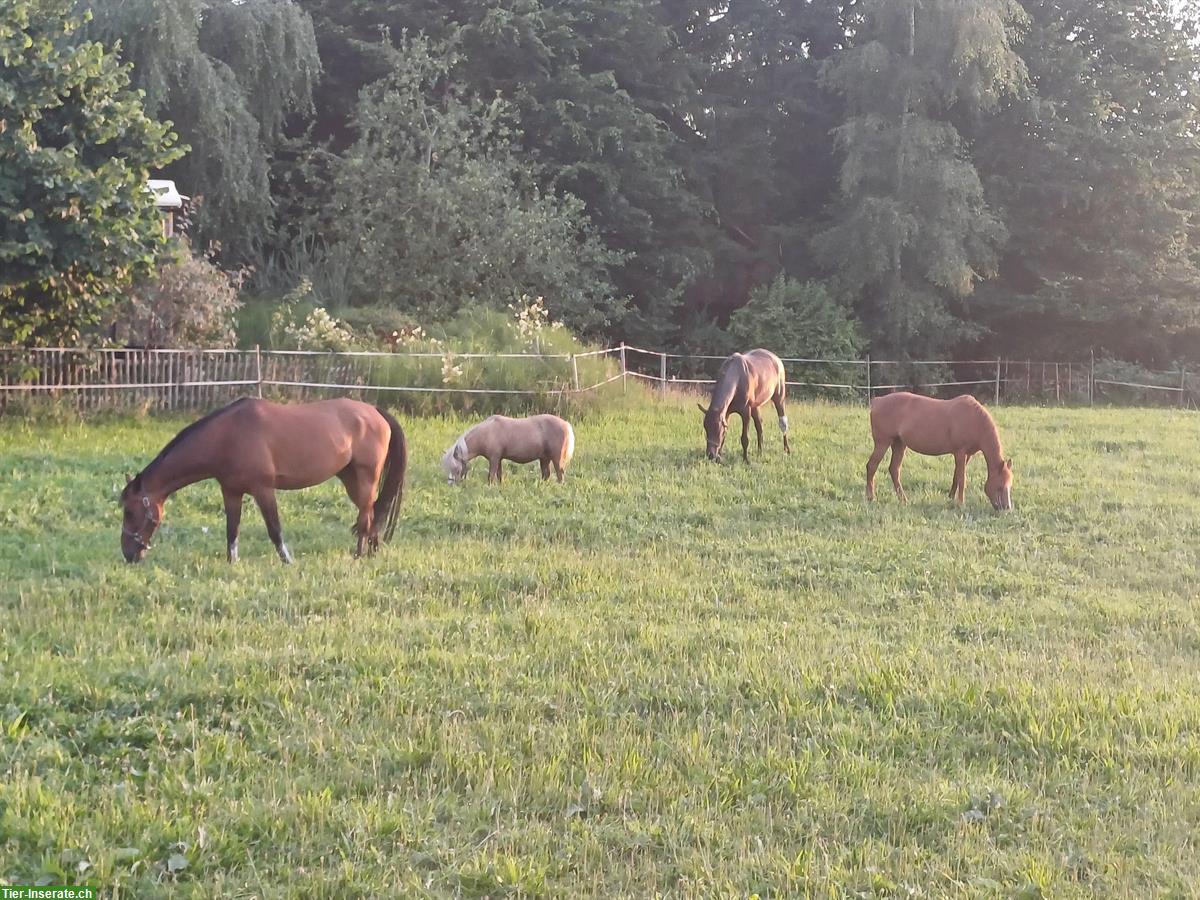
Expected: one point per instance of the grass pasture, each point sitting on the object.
(662, 678)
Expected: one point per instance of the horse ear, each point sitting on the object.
(128, 478)
(1008, 464)
(702, 408)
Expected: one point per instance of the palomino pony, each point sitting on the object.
(548, 439)
(746, 382)
(936, 427)
(256, 447)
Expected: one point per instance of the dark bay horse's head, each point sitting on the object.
(714, 431)
(998, 486)
(141, 514)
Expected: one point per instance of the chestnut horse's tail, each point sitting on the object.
(387, 504)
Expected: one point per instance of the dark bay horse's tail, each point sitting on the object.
(387, 504)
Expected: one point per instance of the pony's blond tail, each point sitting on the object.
(569, 448)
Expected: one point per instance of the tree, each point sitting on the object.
(77, 223)
(603, 95)
(912, 233)
(438, 210)
(230, 73)
(1097, 171)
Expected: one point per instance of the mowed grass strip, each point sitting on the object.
(664, 677)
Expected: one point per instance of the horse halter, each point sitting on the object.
(139, 536)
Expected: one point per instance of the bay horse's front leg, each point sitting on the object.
(495, 473)
(757, 416)
(545, 469)
(233, 520)
(745, 435)
(265, 499)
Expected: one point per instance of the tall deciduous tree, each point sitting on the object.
(913, 233)
(603, 95)
(1098, 172)
(76, 147)
(229, 73)
(436, 208)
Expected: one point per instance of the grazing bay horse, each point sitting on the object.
(548, 439)
(936, 427)
(256, 447)
(746, 382)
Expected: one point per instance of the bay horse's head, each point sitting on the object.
(454, 462)
(715, 423)
(141, 515)
(998, 486)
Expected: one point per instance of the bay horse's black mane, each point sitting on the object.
(136, 484)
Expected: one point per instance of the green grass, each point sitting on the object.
(663, 677)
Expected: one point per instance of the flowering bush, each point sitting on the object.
(293, 329)
(188, 302)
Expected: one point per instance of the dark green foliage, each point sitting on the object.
(796, 319)
(437, 208)
(1098, 173)
(229, 74)
(77, 223)
(999, 177)
(912, 232)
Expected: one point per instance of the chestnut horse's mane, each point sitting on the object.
(187, 432)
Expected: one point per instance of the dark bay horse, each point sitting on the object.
(746, 381)
(936, 427)
(256, 447)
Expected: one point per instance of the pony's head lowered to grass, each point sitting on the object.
(454, 461)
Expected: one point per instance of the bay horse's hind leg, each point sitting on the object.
(783, 422)
(745, 436)
(233, 521)
(360, 486)
(873, 466)
(265, 498)
(897, 460)
(545, 469)
(757, 416)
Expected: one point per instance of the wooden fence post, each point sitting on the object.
(1092, 380)
(574, 372)
(997, 382)
(1182, 387)
(662, 373)
(870, 389)
(624, 370)
(258, 369)
(1057, 392)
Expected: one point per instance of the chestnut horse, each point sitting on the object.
(256, 447)
(746, 381)
(936, 427)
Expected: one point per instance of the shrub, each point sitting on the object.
(433, 357)
(189, 302)
(800, 320)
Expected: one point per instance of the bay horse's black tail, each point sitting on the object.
(387, 504)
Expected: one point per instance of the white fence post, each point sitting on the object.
(662, 373)
(574, 372)
(870, 390)
(258, 369)
(997, 382)
(624, 370)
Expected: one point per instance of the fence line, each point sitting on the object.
(186, 378)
